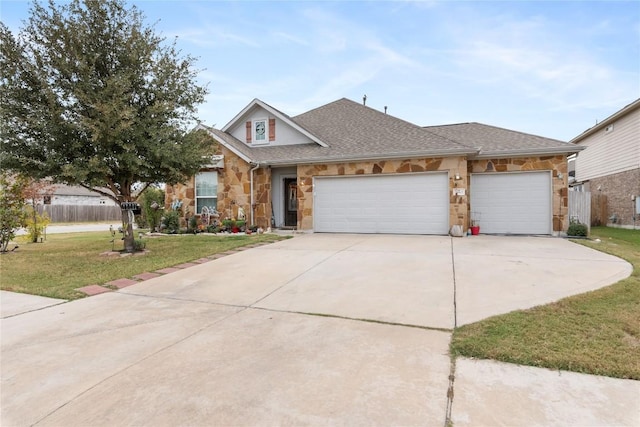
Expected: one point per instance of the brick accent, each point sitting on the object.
(619, 188)
(248, 133)
(93, 290)
(121, 283)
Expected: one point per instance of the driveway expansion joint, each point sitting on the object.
(129, 366)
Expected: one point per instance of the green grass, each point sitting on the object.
(66, 262)
(597, 332)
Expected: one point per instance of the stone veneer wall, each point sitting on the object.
(186, 194)
(458, 212)
(556, 164)
(234, 188)
(619, 188)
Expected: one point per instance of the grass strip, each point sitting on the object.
(66, 262)
(596, 333)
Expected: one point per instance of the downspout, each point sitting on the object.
(257, 165)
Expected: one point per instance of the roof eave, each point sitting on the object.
(606, 122)
(525, 152)
(371, 157)
(226, 144)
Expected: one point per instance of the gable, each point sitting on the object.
(260, 122)
(276, 131)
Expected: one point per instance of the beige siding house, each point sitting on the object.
(347, 168)
(610, 164)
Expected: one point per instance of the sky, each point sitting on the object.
(549, 68)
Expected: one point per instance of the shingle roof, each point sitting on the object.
(495, 141)
(353, 131)
(73, 190)
(352, 128)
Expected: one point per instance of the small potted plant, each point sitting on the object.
(228, 224)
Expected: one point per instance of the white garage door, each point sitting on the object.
(512, 203)
(395, 204)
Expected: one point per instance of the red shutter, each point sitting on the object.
(248, 125)
(272, 129)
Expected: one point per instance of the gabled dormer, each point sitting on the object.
(260, 125)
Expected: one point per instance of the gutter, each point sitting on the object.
(257, 165)
(369, 157)
(527, 152)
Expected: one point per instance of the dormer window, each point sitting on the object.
(261, 131)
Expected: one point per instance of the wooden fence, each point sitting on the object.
(599, 209)
(81, 213)
(580, 207)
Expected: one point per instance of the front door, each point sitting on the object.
(290, 202)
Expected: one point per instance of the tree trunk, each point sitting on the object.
(35, 224)
(127, 228)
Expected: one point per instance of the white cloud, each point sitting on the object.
(212, 37)
(290, 38)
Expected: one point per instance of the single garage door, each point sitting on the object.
(395, 204)
(512, 203)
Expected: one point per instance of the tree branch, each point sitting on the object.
(102, 192)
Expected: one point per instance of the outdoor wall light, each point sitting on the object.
(457, 177)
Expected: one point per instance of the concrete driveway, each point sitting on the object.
(234, 341)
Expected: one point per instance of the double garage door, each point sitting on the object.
(503, 203)
(512, 203)
(395, 204)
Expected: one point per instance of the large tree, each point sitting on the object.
(91, 95)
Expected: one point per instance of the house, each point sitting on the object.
(610, 164)
(346, 167)
(62, 194)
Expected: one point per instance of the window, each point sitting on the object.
(206, 191)
(260, 131)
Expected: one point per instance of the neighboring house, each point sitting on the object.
(610, 164)
(61, 194)
(345, 167)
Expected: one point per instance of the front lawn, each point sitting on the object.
(597, 332)
(66, 262)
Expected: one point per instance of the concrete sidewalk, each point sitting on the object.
(78, 228)
(232, 341)
(12, 303)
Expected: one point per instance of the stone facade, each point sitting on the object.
(234, 184)
(619, 189)
(458, 212)
(556, 164)
(186, 194)
(234, 191)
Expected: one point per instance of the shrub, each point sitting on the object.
(36, 224)
(228, 224)
(151, 201)
(171, 222)
(193, 224)
(577, 229)
(11, 208)
(139, 245)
